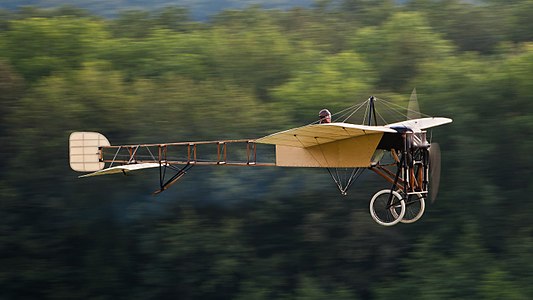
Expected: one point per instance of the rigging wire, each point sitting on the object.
(391, 108)
(391, 105)
(388, 106)
(345, 177)
(151, 154)
(343, 112)
(354, 111)
(355, 106)
(366, 113)
(381, 117)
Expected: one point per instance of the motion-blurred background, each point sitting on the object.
(168, 71)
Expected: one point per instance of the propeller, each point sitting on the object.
(434, 171)
(413, 110)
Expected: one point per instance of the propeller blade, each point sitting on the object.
(413, 110)
(434, 171)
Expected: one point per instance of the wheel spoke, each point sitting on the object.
(387, 207)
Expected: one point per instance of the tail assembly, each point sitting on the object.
(85, 151)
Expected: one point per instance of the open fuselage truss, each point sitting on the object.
(175, 159)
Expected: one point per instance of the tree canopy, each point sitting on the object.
(226, 233)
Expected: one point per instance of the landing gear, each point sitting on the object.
(387, 207)
(415, 205)
(410, 181)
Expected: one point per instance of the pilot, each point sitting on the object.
(325, 116)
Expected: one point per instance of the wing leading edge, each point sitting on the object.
(318, 134)
(421, 123)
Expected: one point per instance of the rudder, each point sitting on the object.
(85, 152)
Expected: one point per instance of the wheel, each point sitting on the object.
(384, 212)
(415, 205)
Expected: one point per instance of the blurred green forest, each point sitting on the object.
(228, 233)
(199, 9)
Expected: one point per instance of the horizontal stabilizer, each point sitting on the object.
(124, 169)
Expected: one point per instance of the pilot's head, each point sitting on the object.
(325, 116)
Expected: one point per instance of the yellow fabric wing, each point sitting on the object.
(326, 145)
(317, 134)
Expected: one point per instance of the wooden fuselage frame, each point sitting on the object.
(184, 153)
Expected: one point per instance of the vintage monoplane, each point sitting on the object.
(400, 152)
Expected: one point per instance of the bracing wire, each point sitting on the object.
(389, 106)
(151, 154)
(344, 180)
(114, 157)
(354, 111)
(392, 108)
(400, 108)
(347, 110)
(353, 107)
(381, 117)
(366, 113)
(344, 112)
(336, 181)
(356, 173)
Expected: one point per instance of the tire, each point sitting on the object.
(383, 213)
(415, 205)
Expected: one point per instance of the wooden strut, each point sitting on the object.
(415, 183)
(179, 174)
(416, 177)
(388, 175)
(221, 153)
